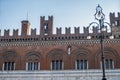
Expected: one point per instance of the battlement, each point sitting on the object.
(15, 32)
(112, 15)
(58, 32)
(46, 30)
(6, 33)
(46, 26)
(115, 21)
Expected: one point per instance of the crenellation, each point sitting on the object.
(59, 31)
(119, 15)
(77, 30)
(15, 32)
(50, 17)
(46, 30)
(6, 33)
(95, 30)
(115, 22)
(46, 26)
(42, 18)
(33, 32)
(67, 30)
(86, 30)
(112, 15)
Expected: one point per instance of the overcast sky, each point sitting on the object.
(67, 13)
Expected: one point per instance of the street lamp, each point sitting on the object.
(99, 16)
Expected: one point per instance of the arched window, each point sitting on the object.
(57, 64)
(80, 58)
(9, 66)
(33, 61)
(9, 60)
(56, 58)
(109, 64)
(32, 65)
(81, 64)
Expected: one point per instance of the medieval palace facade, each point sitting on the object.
(49, 53)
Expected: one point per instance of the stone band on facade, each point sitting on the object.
(59, 75)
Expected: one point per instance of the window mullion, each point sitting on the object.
(83, 64)
(32, 65)
(27, 66)
(14, 64)
(38, 65)
(58, 64)
(3, 66)
(55, 65)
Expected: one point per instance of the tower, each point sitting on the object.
(25, 28)
(46, 26)
(115, 23)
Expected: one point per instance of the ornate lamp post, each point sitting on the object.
(99, 16)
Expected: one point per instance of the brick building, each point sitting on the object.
(58, 52)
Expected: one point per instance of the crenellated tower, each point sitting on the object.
(46, 26)
(115, 23)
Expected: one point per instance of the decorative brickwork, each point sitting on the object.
(69, 50)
